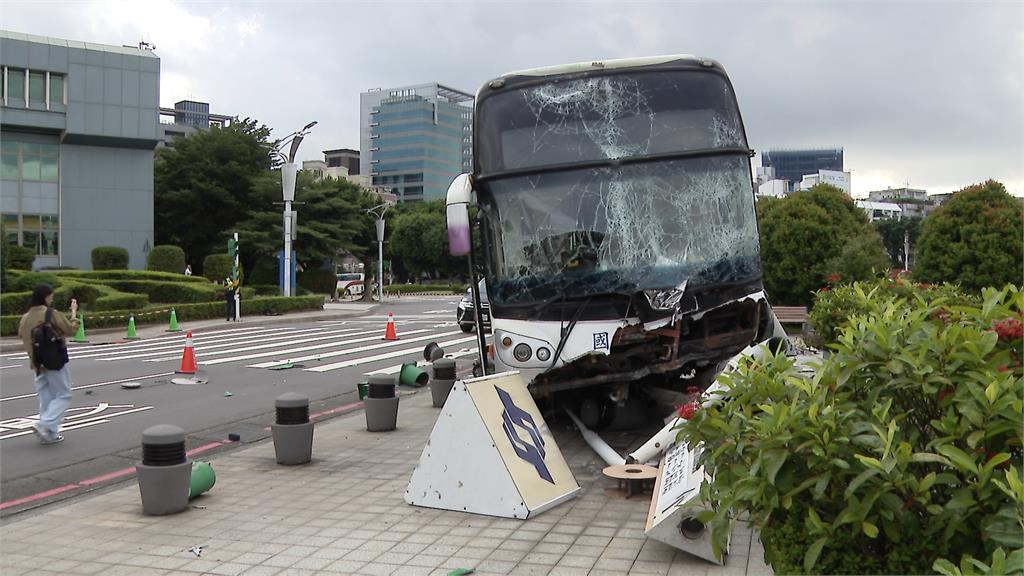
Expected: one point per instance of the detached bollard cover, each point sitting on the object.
(203, 478)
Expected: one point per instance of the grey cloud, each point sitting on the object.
(929, 92)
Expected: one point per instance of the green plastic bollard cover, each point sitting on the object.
(202, 479)
(412, 376)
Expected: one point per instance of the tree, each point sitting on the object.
(331, 218)
(861, 258)
(205, 185)
(893, 233)
(800, 234)
(975, 239)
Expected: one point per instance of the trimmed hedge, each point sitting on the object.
(121, 302)
(15, 302)
(184, 312)
(166, 258)
(86, 276)
(29, 280)
(21, 258)
(265, 289)
(170, 292)
(422, 288)
(109, 258)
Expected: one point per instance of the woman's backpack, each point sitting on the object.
(48, 348)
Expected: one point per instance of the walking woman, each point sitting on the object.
(52, 386)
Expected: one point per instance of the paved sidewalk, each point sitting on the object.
(344, 514)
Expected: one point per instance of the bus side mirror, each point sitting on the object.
(459, 194)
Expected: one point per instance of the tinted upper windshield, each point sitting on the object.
(620, 229)
(606, 118)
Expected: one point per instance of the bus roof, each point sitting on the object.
(608, 65)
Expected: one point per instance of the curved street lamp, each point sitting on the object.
(288, 173)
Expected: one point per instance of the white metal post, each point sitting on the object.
(380, 257)
(287, 248)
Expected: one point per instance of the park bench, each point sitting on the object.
(792, 315)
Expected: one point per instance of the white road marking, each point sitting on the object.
(159, 349)
(334, 337)
(421, 364)
(283, 340)
(84, 386)
(11, 366)
(79, 351)
(376, 337)
(352, 350)
(24, 425)
(395, 354)
(437, 311)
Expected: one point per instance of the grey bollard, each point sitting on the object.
(443, 380)
(292, 430)
(165, 472)
(381, 403)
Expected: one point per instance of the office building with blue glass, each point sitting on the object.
(415, 139)
(78, 126)
(793, 165)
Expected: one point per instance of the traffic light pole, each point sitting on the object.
(234, 277)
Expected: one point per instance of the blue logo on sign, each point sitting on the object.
(601, 341)
(531, 450)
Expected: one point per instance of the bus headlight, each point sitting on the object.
(543, 354)
(522, 352)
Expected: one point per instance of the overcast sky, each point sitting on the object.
(925, 93)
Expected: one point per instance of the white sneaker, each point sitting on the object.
(39, 432)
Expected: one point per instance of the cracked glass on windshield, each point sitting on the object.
(618, 228)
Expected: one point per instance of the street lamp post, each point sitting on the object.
(380, 246)
(289, 170)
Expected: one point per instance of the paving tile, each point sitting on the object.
(261, 571)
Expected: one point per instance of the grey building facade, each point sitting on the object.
(345, 157)
(78, 126)
(793, 165)
(414, 140)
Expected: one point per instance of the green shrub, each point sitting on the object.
(109, 258)
(171, 292)
(217, 267)
(86, 294)
(904, 445)
(29, 280)
(121, 302)
(421, 288)
(265, 272)
(834, 306)
(184, 312)
(166, 258)
(103, 275)
(21, 258)
(266, 289)
(15, 302)
(317, 280)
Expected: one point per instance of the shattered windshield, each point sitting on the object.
(610, 117)
(620, 229)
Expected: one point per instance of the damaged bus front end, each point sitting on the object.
(616, 213)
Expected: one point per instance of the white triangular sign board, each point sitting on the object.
(674, 506)
(491, 452)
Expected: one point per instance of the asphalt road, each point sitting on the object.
(104, 425)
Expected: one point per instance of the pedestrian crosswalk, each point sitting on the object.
(347, 344)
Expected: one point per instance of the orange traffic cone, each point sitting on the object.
(390, 334)
(188, 357)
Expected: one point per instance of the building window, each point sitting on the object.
(15, 84)
(9, 156)
(10, 224)
(56, 88)
(37, 87)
